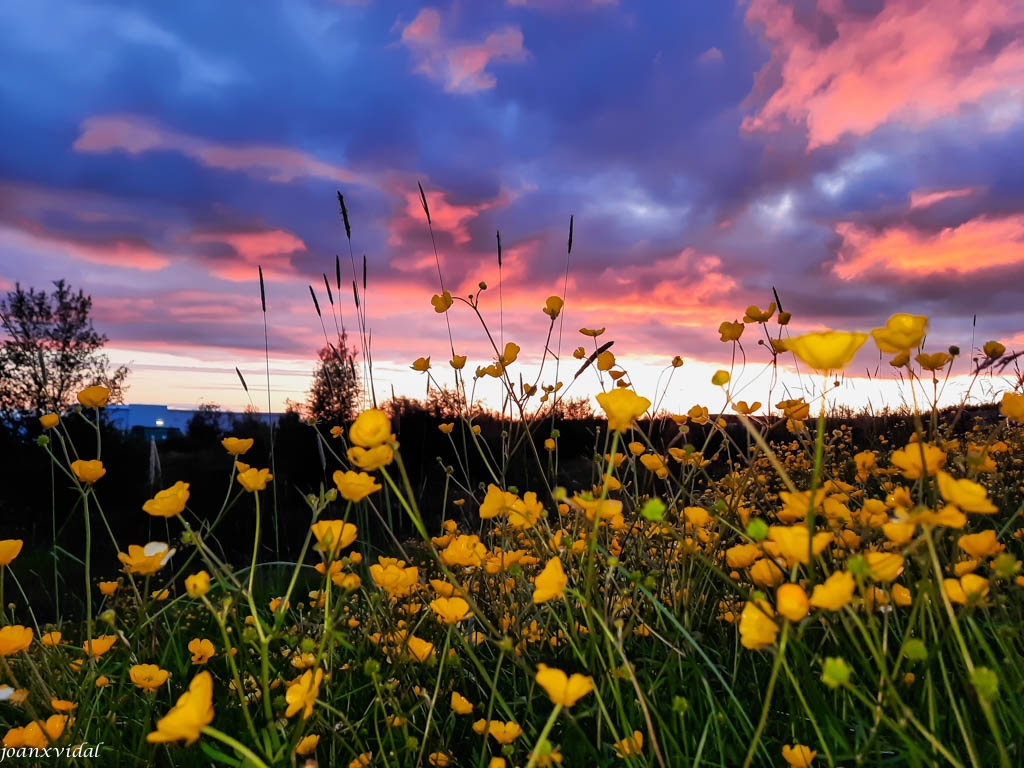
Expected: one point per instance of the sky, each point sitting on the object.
(862, 157)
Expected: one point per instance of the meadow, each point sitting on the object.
(733, 586)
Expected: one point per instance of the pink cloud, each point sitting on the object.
(913, 62)
(977, 244)
(137, 135)
(921, 199)
(126, 252)
(271, 249)
(710, 56)
(460, 67)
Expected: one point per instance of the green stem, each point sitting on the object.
(544, 735)
(250, 756)
(767, 697)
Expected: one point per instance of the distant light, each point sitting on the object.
(159, 422)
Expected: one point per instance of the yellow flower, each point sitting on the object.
(419, 649)
(991, 349)
(496, 502)
(630, 746)
(62, 705)
(397, 580)
(549, 444)
(563, 690)
(755, 315)
(439, 759)
(332, 536)
(50, 639)
(828, 350)
(900, 360)
(731, 331)
(980, 545)
(835, 592)
(14, 638)
(969, 588)
(551, 582)
(442, 303)
(966, 494)
(446, 429)
(915, 457)
(198, 584)
(793, 542)
(254, 479)
(935, 361)
(307, 744)
(38, 734)
(160, 594)
(1013, 406)
(592, 332)
(192, 713)
(362, 761)
(458, 362)
(509, 355)
(371, 428)
(421, 364)
(902, 332)
(791, 601)
(465, 550)
(237, 446)
(355, 486)
(884, 566)
(460, 704)
(552, 306)
(202, 650)
(168, 502)
(757, 628)
(798, 755)
(49, 420)
(95, 396)
(108, 588)
(797, 409)
(451, 610)
(371, 459)
(10, 549)
(677, 362)
(148, 677)
(503, 733)
(146, 560)
(741, 406)
(88, 471)
(579, 353)
(301, 695)
(99, 645)
(605, 361)
(622, 407)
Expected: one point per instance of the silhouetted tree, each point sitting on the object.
(51, 351)
(335, 393)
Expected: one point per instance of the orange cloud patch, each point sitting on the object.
(913, 62)
(922, 199)
(136, 136)
(271, 249)
(974, 245)
(461, 68)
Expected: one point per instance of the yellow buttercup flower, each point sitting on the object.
(592, 332)
(460, 704)
(371, 459)
(630, 746)
(605, 361)
(148, 677)
(965, 494)
(757, 628)
(798, 755)
(419, 649)
(253, 479)
(14, 638)
(108, 588)
(731, 331)
(835, 592)
(146, 560)
(168, 502)
(884, 566)
(198, 584)
(88, 471)
(51, 639)
(755, 315)
(332, 536)
(622, 407)
(421, 364)
(49, 420)
(442, 303)
(551, 582)
(791, 602)
(552, 306)
(579, 353)
(451, 610)
(307, 744)
(371, 428)
(202, 650)
(901, 333)
(935, 361)
(993, 349)
(828, 350)
(968, 588)
(1013, 406)
(503, 733)
(980, 545)
(237, 446)
(99, 645)
(509, 355)
(563, 690)
(301, 695)
(355, 486)
(916, 458)
(458, 362)
(95, 396)
(193, 712)
(10, 549)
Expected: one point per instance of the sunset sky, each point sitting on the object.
(862, 156)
